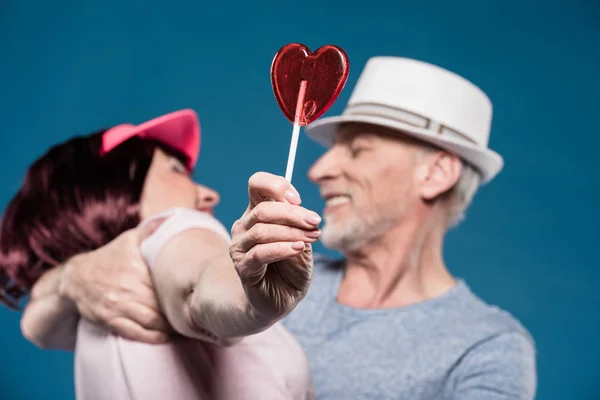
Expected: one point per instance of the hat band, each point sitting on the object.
(405, 117)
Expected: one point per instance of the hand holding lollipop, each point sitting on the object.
(271, 247)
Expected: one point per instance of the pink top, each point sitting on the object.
(268, 365)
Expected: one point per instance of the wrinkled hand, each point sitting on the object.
(112, 286)
(271, 246)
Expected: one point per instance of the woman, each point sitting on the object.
(87, 191)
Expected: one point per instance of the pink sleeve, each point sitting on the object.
(177, 220)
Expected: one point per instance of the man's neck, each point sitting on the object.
(403, 266)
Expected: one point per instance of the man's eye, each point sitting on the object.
(355, 151)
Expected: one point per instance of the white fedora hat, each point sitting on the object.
(425, 102)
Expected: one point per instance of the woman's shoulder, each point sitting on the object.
(185, 217)
(172, 222)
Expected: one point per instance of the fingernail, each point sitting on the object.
(293, 197)
(298, 246)
(312, 219)
(313, 234)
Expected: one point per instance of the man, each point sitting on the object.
(389, 321)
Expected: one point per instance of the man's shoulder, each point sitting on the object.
(500, 351)
(489, 319)
(488, 346)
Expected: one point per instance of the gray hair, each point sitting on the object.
(461, 195)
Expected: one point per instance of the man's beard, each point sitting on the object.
(356, 231)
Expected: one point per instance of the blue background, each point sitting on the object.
(530, 241)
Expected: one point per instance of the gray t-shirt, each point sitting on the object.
(451, 347)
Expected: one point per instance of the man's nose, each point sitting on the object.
(326, 167)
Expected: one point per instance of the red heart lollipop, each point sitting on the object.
(306, 84)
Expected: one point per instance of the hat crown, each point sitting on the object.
(425, 95)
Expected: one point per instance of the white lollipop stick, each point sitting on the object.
(295, 132)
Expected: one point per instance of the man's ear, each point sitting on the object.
(441, 171)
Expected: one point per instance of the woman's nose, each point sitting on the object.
(207, 197)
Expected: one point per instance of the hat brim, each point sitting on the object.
(179, 130)
(486, 161)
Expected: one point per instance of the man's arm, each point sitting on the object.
(110, 286)
(501, 368)
(195, 280)
(50, 320)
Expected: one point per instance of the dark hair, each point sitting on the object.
(73, 200)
